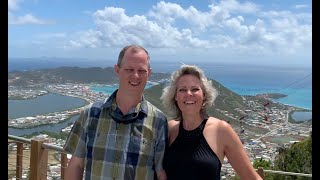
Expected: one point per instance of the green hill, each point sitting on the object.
(227, 103)
(226, 100)
(296, 158)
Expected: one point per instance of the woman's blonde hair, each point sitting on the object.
(169, 92)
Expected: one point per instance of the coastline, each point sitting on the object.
(40, 125)
(294, 108)
(90, 97)
(60, 116)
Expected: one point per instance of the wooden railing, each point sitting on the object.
(262, 172)
(39, 159)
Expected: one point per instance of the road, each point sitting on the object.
(286, 123)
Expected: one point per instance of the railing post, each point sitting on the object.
(38, 160)
(260, 172)
(19, 160)
(64, 163)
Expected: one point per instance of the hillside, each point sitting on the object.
(227, 102)
(296, 158)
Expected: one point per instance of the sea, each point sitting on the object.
(243, 79)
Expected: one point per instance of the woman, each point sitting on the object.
(198, 143)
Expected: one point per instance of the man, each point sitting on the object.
(123, 137)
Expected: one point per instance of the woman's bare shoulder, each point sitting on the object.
(173, 123)
(173, 129)
(215, 122)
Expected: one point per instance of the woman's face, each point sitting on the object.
(189, 95)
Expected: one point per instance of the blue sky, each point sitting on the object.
(273, 32)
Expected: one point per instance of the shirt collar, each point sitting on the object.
(143, 103)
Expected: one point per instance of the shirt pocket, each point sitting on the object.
(140, 145)
(140, 151)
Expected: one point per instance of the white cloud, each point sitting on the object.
(26, 19)
(170, 12)
(233, 6)
(73, 44)
(166, 13)
(115, 28)
(13, 19)
(238, 27)
(290, 31)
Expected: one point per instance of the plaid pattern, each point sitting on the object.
(117, 150)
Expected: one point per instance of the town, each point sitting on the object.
(257, 145)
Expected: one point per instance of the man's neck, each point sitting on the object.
(126, 101)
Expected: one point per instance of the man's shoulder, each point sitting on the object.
(153, 108)
(97, 104)
(158, 114)
(94, 106)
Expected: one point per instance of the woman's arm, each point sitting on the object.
(236, 154)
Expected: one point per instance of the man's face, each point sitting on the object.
(134, 72)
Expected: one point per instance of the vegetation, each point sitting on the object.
(262, 163)
(297, 158)
(61, 135)
(259, 163)
(265, 165)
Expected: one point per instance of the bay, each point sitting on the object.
(42, 105)
(301, 116)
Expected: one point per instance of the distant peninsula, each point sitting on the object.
(272, 95)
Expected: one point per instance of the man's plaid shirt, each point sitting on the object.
(117, 150)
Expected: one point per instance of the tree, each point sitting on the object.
(297, 158)
(265, 165)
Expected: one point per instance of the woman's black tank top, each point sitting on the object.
(190, 157)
